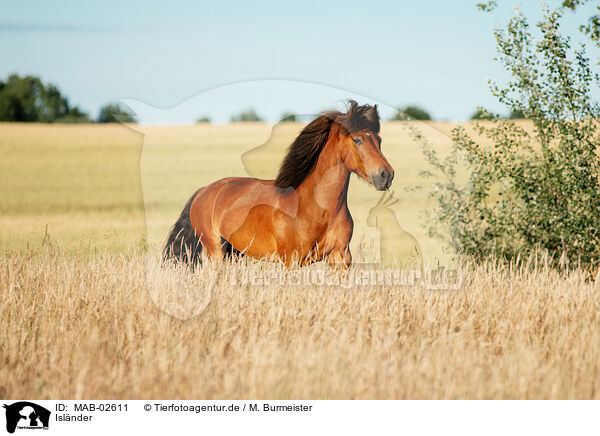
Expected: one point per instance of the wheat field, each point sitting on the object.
(80, 227)
(74, 328)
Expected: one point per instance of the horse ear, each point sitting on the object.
(372, 114)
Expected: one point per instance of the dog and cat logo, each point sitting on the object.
(26, 415)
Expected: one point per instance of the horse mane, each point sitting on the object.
(304, 152)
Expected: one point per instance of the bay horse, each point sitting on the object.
(301, 216)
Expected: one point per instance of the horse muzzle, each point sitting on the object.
(382, 179)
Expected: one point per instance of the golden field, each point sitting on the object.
(74, 328)
(84, 210)
(111, 187)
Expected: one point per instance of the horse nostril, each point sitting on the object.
(384, 174)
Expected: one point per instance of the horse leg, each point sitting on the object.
(212, 247)
(201, 219)
(339, 234)
(340, 258)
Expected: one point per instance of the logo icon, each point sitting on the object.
(26, 415)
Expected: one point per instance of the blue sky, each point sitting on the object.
(436, 54)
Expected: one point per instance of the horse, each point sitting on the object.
(302, 216)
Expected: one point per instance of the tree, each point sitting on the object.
(74, 115)
(27, 99)
(516, 114)
(479, 114)
(288, 117)
(482, 114)
(246, 116)
(527, 192)
(203, 119)
(592, 27)
(411, 113)
(114, 112)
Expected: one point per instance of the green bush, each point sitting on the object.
(528, 190)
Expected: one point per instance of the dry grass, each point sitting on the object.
(77, 328)
(77, 324)
(109, 187)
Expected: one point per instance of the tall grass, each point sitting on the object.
(89, 328)
(95, 319)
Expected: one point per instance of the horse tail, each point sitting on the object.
(183, 245)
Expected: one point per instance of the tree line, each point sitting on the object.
(28, 99)
(410, 112)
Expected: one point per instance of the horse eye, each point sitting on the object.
(357, 141)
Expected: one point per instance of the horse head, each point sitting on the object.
(360, 145)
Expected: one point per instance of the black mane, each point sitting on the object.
(304, 152)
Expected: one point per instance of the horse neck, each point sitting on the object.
(327, 184)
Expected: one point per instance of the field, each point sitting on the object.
(114, 188)
(84, 210)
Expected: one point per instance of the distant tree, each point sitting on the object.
(27, 99)
(114, 113)
(288, 117)
(479, 114)
(411, 113)
(74, 116)
(516, 115)
(245, 116)
(203, 119)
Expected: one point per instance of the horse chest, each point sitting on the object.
(321, 235)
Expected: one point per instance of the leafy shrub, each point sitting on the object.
(528, 190)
